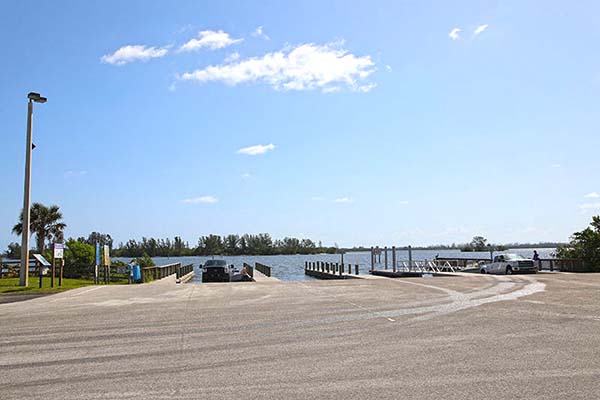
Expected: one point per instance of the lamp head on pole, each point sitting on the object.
(36, 97)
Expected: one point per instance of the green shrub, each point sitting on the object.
(144, 261)
(584, 245)
(79, 259)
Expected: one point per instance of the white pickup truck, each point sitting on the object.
(509, 264)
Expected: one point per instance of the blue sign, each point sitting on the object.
(97, 253)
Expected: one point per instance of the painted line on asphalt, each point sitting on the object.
(87, 291)
(370, 311)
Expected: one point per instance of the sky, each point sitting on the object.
(354, 123)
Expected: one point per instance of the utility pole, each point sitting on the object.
(24, 271)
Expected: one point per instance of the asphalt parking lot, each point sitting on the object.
(461, 337)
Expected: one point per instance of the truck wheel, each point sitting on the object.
(509, 270)
(482, 271)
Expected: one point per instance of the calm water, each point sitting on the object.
(292, 267)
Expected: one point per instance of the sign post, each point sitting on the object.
(60, 274)
(58, 254)
(96, 278)
(106, 263)
(41, 263)
(53, 270)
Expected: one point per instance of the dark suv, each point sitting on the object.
(216, 271)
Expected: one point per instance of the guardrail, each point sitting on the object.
(265, 270)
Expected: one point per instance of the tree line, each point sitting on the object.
(230, 245)
(47, 226)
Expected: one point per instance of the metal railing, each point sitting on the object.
(430, 266)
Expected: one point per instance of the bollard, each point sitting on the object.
(356, 269)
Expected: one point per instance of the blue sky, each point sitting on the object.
(346, 122)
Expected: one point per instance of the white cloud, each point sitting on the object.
(130, 53)
(480, 29)
(203, 199)
(367, 88)
(331, 89)
(403, 202)
(304, 67)
(232, 57)
(343, 200)
(259, 32)
(212, 40)
(454, 34)
(388, 68)
(589, 206)
(592, 195)
(257, 149)
(70, 173)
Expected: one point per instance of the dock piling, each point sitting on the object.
(385, 257)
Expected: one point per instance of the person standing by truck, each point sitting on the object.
(536, 260)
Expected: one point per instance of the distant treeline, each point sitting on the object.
(467, 246)
(232, 245)
(250, 244)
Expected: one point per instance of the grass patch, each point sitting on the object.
(11, 285)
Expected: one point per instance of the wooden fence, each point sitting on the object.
(265, 270)
(565, 265)
(184, 270)
(159, 271)
(249, 270)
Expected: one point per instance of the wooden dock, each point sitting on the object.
(326, 270)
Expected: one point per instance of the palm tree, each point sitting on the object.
(44, 222)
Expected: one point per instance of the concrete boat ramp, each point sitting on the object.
(481, 336)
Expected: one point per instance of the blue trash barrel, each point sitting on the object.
(137, 273)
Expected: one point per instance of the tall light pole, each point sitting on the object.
(24, 271)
